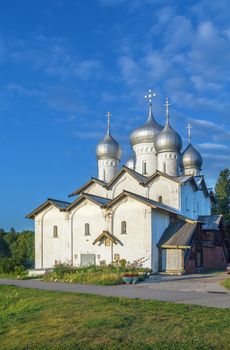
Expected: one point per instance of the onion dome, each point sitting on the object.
(108, 147)
(168, 140)
(147, 132)
(130, 163)
(191, 158)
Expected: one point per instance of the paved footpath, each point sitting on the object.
(194, 289)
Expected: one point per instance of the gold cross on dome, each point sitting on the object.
(189, 127)
(108, 115)
(149, 96)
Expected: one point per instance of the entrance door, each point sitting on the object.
(88, 259)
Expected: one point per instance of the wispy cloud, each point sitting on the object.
(21, 90)
(88, 134)
(54, 56)
(213, 146)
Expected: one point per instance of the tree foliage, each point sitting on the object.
(16, 250)
(222, 193)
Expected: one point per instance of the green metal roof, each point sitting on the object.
(178, 233)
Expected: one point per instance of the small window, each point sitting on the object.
(55, 231)
(160, 199)
(87, 230)
(123, 227)
(107, 242)
(144, 168)
(164, 167)
(186, 203)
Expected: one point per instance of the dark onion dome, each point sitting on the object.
(130, 163)
(108, 148)
(190, 158)
(147, 132)
(168, 140)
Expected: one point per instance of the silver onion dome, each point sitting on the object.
(130, 163)
(108, 147)
(168, 140)
(147, 132)
(191, 158)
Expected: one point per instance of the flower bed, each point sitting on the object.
(102, 275)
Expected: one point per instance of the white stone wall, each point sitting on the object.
(107, 169)
(136, 243)
(92, 214)
(168, 189)
(160, 221)
(194, 203)
(128, 183)
(168, 162)
(98, 190)
(145, 152)
(49, 248)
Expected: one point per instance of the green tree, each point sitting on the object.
(222, 193)
(16, 250)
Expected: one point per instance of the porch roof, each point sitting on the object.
(106, 234)
(178, 234)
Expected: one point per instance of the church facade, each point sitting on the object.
(155, 207)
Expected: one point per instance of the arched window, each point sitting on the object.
(160, 199)
(55, 231)
(87, 229)
(186, 203)
(144, 168)
(123, 227)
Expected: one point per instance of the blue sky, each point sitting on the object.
(64, 64)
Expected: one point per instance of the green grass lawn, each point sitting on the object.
(226, 283)
(33, 319)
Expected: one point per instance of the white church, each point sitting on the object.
(156, 207)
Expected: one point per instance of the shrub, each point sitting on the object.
(106, 278)
(60, 269)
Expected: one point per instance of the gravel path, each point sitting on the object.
(193, 289)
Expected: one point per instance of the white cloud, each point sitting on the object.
(31, 92)
(88, 134)
(213, 146)
(206, 124)
(54, 56)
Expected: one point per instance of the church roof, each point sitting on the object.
(178, 179)
(142, 180)
(178, 234)
(139, 177)
(57, 203)
(86, 185)
(211, 222)
(101, 201)
(144, 200)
